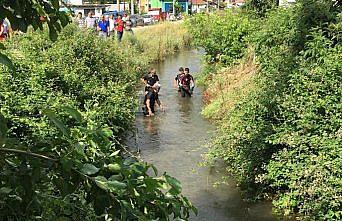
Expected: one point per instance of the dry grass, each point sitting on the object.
(228, 86)
(158, 41)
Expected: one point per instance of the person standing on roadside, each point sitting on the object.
(119, 28)
(124, 18)
(90, 22)
(103, 27)
(111, 25)
(129, 24)
(79, 21)
(7, 28)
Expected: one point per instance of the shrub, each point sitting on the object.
(223, 41)
(63, 110)
(282, 138)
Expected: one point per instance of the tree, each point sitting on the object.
(80, 172)
(261, 6)
(35, 13)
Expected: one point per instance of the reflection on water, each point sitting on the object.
(175, 142)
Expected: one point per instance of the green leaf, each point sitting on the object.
(116, 177)
(115, 185)
(6, 61)
(101, 182)
(40, 10)
(155, 170)
(2, 46)
(114, 167)
(74, 113)
(89, 169)
(5, 190)
(115, 153)
(112, 185)
(176, 185)
(107, 132)
(58, 123)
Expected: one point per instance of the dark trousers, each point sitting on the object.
(119, 35)
(152, 103)
(185, 91)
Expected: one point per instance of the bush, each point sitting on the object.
(64, 109)
(223, 41)
(282, 137)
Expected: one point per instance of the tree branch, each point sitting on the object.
(28, 154)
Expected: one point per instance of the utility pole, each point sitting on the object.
(132, 7)
(173, 7)
(207, 6)
(118, 3)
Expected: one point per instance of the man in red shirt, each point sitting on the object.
(119, 28)
(187, 83)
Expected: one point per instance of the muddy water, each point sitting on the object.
(175, 141)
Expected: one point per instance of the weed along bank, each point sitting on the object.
(65, 105)
(273, 86)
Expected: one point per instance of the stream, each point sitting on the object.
(175, 142)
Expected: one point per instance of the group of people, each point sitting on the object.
(106, 26)
(5, 29)
(184, 82)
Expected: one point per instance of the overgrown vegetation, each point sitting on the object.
(158, 41)
(63, 109)
(278, 103)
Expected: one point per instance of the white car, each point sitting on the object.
(229, 5)
(148, 19)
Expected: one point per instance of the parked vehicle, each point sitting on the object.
(114, 13)
(148, 19)
(137, 20)
(156, 13)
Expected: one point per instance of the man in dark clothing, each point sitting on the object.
(180, 75)
(187, 83)
(152, 80)
(149, 102)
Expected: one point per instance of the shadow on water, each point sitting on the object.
(175, 141)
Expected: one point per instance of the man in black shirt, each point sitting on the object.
(152, 80)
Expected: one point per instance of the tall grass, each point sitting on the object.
(158, 41)
(226, 86)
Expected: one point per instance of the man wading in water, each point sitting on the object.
(149, 102)
(152, 80)
(178, 78)
(187, 83)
